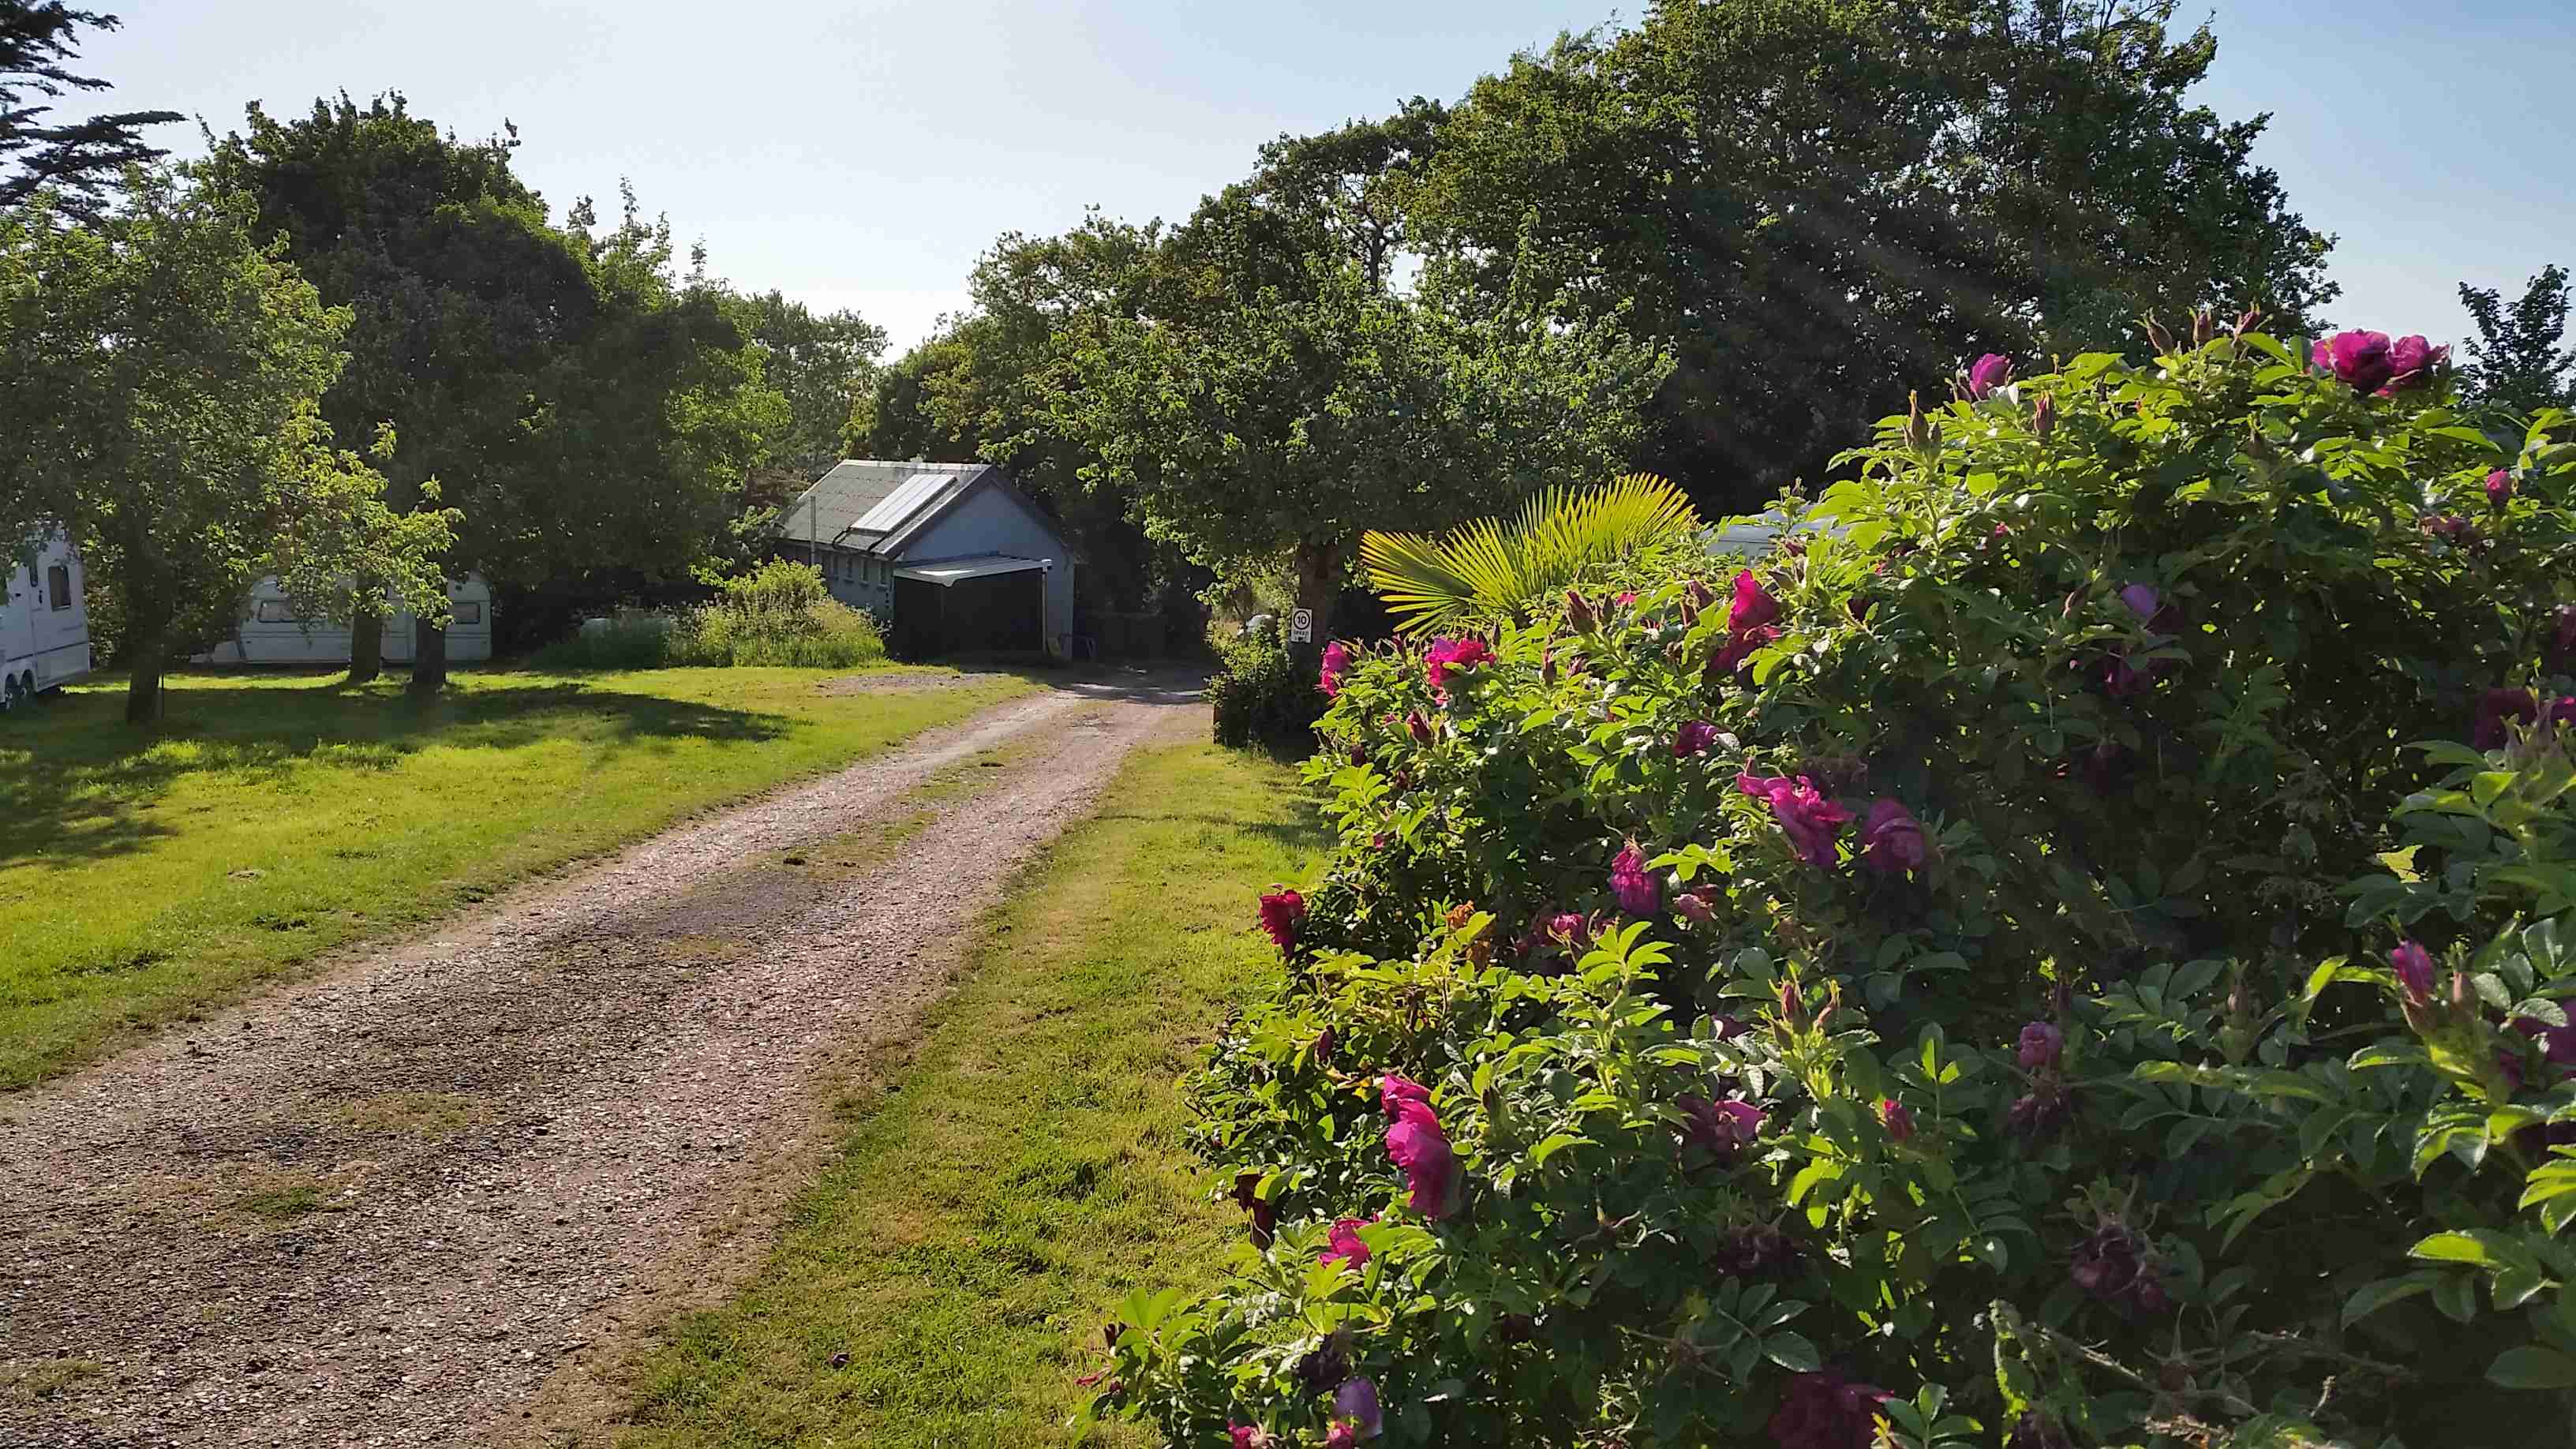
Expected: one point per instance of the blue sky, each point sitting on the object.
(858, 153)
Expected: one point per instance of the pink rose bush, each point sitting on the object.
(2078, 953)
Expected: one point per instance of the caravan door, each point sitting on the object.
(17, 630)
(58, 616)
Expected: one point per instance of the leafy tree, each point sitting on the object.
(1810, 200)
(985, 388)
(164, 373)
(823, 364)
(2522, 357)
(1280, 428)
(561, 386)
(77, 159)
(461, 295)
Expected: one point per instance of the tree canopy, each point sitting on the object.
(1811, 201)
(822, 363)
(79, 160)
(1280, 427)
(584, 406)
(2521, 354)
(166, 371)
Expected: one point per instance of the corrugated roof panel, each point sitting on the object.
(907, 498)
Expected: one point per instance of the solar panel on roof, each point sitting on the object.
(907, 499)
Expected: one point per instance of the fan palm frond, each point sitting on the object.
(1487, 571)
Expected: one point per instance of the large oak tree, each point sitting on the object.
(1821, 204)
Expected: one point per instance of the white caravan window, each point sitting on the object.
(58, 584)
(469, 613)
(274, 611)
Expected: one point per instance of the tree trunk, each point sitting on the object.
(428, 655)
(1319, 580)
(366, 641)
(149, 652)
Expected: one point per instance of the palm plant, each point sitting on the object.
(1489, 570)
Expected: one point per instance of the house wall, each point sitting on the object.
(856, 579)
(991, 520)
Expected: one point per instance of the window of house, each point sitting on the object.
(274, 611)
(469, 613)
(58, 586)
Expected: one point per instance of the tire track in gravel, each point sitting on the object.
(387, 1206)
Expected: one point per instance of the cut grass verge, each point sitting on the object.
(1025, 1169)
(146, 875)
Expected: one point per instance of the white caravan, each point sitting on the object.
(44, 622)
(271, 632)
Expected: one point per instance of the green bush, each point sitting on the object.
(1263, 695)
(1927, 989)
(778, 615)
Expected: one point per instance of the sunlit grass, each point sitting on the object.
(145, 875)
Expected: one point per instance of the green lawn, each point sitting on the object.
(147, 874)
(1025, 1168)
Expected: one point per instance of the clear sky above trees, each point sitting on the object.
(863, 154)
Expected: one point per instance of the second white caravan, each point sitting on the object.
(272, 632)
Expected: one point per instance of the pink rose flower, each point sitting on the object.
(1825, 1410)
(2359, 360)
(1345, 1245)
(1809, 819)
(1337, 660)
(1991, 371)
(1721, 1129)
(1635, 887)
(2040, 1046)
(1355, 1403)
(2414, 966)
(1281, 913)
(1892, 842)
(1899, 1122)
(2411, 361)
(1447, 654)
(1422, 1152)
(1693, 737)
(1753, 605)
(2499, 488)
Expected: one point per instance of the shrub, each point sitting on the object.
(628, 640)
(1957, 981)
(1263, 695)
(780, 614)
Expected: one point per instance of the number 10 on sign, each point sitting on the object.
(1301, 626)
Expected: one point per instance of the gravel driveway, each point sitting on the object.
(419, 1199)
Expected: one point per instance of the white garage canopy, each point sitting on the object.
(947, 573)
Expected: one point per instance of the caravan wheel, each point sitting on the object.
(11, 693)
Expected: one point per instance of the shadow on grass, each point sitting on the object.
(77, 783)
